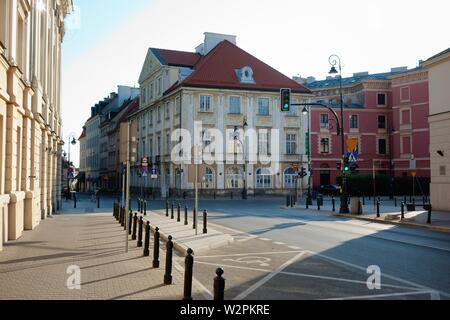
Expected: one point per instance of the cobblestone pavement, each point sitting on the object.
(35, 267)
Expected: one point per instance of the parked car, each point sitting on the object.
(329, 190)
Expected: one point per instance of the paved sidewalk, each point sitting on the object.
(35, 267)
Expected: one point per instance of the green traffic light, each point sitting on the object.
(286, 107)
(346, 168)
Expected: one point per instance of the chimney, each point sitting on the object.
(212, 40)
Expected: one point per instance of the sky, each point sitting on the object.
(106, 41)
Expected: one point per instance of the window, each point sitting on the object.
(167, 110)
(381, 122)
(324, 122)
(381, 99)
(178, 105)
(382, 146)
(263, 179)
(168, 144)
(235, 105)
(150, 121)
(158, 147)
(289, 178)
(144, 95)
(234, 179)
(205, 103)
(159, 114)
(443, 170)
(291, 144)
(325, 145)
(353, 122)
(406, 117)
(206, 138)
(406, 145)
(151, 91)
(263, 142)
(209, 178)
(159, 86)
(150, 147)
(263, 106)
(404, 94)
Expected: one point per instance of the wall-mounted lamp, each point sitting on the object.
(440, 152)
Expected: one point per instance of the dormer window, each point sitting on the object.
(245, 75)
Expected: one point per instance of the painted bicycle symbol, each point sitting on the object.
(262, 261)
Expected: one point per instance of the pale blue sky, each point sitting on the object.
(106, 42)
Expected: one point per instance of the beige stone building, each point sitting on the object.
(222, 86)
(439, 78)
(31, 33)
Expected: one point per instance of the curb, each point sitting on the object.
(397, 223)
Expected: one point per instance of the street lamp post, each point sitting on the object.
(334, 61)
(245, 126)
(307, 112)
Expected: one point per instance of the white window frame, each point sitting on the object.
(205, 103)
(263, 178)
(291, 144)
(260, 106)
(233, 108)
(324, 125)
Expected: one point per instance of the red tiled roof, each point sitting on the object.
(218, 70)
(176, 58)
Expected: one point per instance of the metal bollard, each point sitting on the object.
(141, 227)
(205, 218)
(395, 202)
(145, 207)
(360, 208)
(135, 222)
(364, 200)
(139, 204)
(334, 204)
(130, 221)
(194, 217)
(169, 253)
(167, 208)
(172, 213)
(156, 249)
(122, 220)
(147, 240)
(307, 203)
(74, 201)
(429, 214)
(378, 209)
(219, 286)
(98, 202)
(292, 201)
(186, 216)
(188, 273)
(179, 213)
(403, 210)
(318, 204)
(288, 201)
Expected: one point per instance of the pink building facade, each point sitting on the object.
(387, 115)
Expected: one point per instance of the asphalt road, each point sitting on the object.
(412, 257)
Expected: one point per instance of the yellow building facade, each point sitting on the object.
(31, 33)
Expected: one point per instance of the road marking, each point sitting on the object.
(280, 243)
(249, 254)
(306, 275)
(384, 274)
(382, 295)
(265, 239)
(262, 261)
(294, 248)
(268, 277)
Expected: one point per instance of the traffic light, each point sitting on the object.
(354, 167)
(346, 165)
(285, 100)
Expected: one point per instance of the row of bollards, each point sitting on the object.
(171, 207)
(137, 233)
